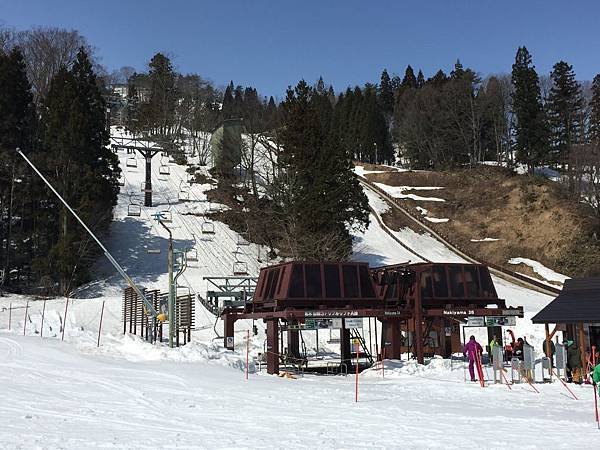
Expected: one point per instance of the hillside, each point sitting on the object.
(498, 216)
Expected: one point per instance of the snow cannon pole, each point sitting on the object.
(100, 326)
(565, 385)
(9, 314)
(147, 304)
(62, 338)
(247, 351)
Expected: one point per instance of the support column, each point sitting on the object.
(345, 349)
(548, 352)
(394, 339)
(272, 346)
(418, 318)
(229, 322)
(582, 350)
(148, 190)
(293, 340)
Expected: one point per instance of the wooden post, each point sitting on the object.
(100, 326)
(548, 352)
(42, 326)
(62, 338)
(376, 341)
(25, 321)
(582, 350)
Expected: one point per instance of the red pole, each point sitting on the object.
(9, 314)
(565, 385)
(100, 327)
(25, 321)
(383, 362)
(43, 312)
(65, 320)
(247, 350)
(504, 376)
(357, 347)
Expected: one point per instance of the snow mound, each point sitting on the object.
(540, 269)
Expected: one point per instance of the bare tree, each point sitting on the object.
(585, 162)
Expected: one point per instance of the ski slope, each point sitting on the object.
(127, 393)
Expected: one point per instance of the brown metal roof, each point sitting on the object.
(579, 301)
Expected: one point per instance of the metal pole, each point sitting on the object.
(247, 350)
(62, 338)
(100, 327)
(148, 305)
(25, 321)
(9, 315)
(357, 348)
(43, 312)
(171, 302)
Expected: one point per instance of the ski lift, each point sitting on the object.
(240, 268)
(208, 227)
(241, 240)
(166, 216)
(164, 170)
(133, 209)
(184, 196)
(192, 255)
(130, 151)
(131, 162)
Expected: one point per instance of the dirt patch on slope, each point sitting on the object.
(530, 217)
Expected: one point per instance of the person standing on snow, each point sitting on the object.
(471, 350)
(493, 343)
(573, 362)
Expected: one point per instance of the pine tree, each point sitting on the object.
(323, 200)
(163, 93)
(531, 131)
(594, 124)
(228, 108)
(565, 105)
(84, 170)
(409, 80)
(17, 121)
(420, 79)
(386, 94)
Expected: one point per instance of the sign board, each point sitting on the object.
(500, 321)
(341, 313)
(322, 324)
(229, 342)
(475, 322)
(353, 323)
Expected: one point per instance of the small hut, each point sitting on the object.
(575, 312)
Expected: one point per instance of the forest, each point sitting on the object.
(57, 103)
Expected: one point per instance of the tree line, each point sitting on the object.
(52, 107)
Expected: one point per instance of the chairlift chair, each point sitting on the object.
(241, 240)
(192, 255)
(134, 210)
(153, 251)
(240, 268)
(208, 227)
(130, 151)
(166, 216)
(183, 196)
(131, 162)
(163, 169)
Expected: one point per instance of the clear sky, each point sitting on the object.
(272, 44)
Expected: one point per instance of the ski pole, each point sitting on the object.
(596, 404)
(505, 379)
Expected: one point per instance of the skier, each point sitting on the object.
(472, 349)
(518, 349)
(552, 351)
(493, 343)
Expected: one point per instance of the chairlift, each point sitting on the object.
(241, 240)
(166, 216)
(192, 255)
(164, 170)
(183, 196)
(131, 162)
(133, 209)
(208, 227)
(130, 151)
(240, 268)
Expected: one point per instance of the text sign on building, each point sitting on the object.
(322, 324)
(353, 323)
(475, 322)
(500, 321)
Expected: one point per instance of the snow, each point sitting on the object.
(436, 220)
(398, 192)
(128, 393)
(422, 210)
(540, 269)
(487, 239)
(361, 171)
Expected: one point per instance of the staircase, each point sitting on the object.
(365, 353)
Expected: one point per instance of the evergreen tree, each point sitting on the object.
(409, 80)
(163, 94)
(17, 120)
(594, 125)
(321, 199)
(565, 105)
(133, 121)
(420, 79)
(228, 108)
(84, 170)
(530, 129)
(386, 94)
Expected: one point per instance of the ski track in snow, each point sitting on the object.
(130, 394)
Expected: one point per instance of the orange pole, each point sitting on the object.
(565, 385)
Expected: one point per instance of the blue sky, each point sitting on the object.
(272, 44)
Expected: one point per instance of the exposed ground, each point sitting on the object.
(529, 217)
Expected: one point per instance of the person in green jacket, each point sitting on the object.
(596, 377)
(493, 343)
